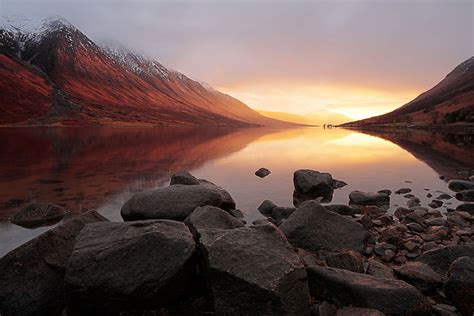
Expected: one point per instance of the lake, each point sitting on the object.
(100, 168)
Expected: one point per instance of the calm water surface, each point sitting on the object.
(100, 168)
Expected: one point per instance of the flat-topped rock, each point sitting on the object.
(312, 227)
(369, 198)
(175, 202)
(254, 270)
(131, 264)
(343, 288)
(32, 275)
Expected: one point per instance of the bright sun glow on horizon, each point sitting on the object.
(353, 102)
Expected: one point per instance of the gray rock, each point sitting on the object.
(341, 209)
(348, 260)
(131, 264)
(266, 207)
(460, 185)
(364, 198)
(465, 196)
(342, 287)
(380, 270)
(435, 204)
(460, 286)
(466, 207)
(401, 211)
(415, 227)
(32, 275)
(420, 275)
(227, 202)
(183, 177)
(254, 270)
(439, 259)
(237, 213)
(205, 217)
(38, 214)
(385, 191)
(175, 202)
(313, 182)
(403, 191)
(439, 221)
(262, 172)
(312, 227)
(412, 202)
(281, 213)
(444, 196)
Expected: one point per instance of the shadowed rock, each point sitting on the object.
(262, 172)
(460, 285)
(175, 202)
(348, 260)
(311, 184)
(183, 177)
(206, 217)
(131, 264)
(368, 198)
(253, 270)
(420, 275)
(465, 196)
(342, 287)
(312, 227)
(32, 275)
(460, 185)
(38, 214)
(441, 258)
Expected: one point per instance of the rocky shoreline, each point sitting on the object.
(185, 249)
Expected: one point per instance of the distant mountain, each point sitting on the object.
(53, 74)
(451, 101)
(322, 117)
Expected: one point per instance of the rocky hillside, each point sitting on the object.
(451, 101)
(53, 74)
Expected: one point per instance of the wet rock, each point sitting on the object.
(211, 217)
(131, 264)
(401, 211)
(460, 185)
(413, 217)
(441, 258)
(435, 213)
(444, 196)
(412, 202)
(348, 260)
(32, 275)
(420, 275)
(262, 172)
(312, 227)
(253, 270)
(372, 210)
(385, 191)
(341, 209)
(466, 207)
(364, 198)
(266, 207)
(465, 196)
(38, 214)
(403, 191)
(183, 177)
(460, 285)
(415, 227)
(435, 204)
(439, 221)
(342, 287)
(312, 182)
(435, 234)
(358, 311)
(175, 202)
(380, 270)
(281, 213)
(429, 195)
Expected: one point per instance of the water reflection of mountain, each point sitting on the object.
(78, 167)
(446, 153)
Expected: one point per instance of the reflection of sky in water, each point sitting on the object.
(229, 159)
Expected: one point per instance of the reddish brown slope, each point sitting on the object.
(451, 101)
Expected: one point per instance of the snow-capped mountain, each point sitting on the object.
(52, 73)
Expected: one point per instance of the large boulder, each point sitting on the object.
(369, 198)
(342, 287)
(38, 214)
(460, 185)
(175, 202)
(206, 217)
(254, 270)
(311, 184)
(32, 275)
(313, 228)
(440, 259)
(460, 286)
(131, 264)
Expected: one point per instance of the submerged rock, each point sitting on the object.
(32, 275)
(312, 227)
(211, 217)
(342, 287)
(253, 270)
(175, 202)
(364, 198)
(460, 285)
(38, 214)
(262, 172)
(131, 264)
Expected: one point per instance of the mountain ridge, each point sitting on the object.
(78, 82)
